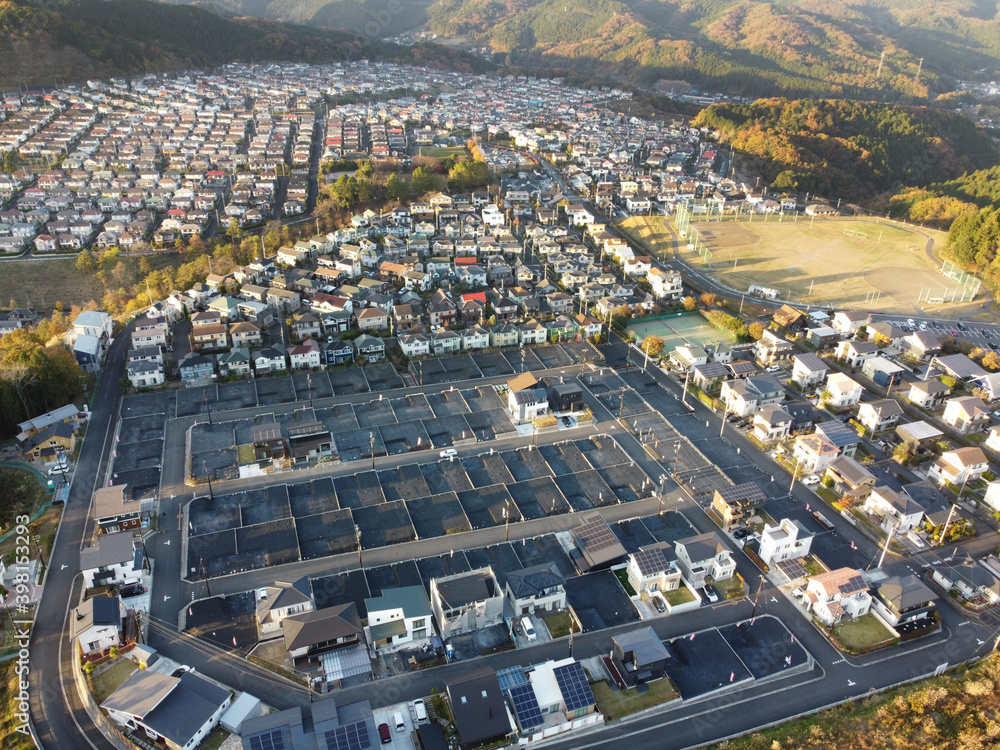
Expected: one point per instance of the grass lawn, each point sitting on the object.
(731, 586)
(215, 739)
(105, 683)
(45, 282)
(814, 566)
(615, 704)
(10, 738)
(460, 153)
(622, 575)
(44, 527)
(245, 454)
(558, 623)
(680, 595)
(862, 633)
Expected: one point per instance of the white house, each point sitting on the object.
(808, 369)
(959, 466)
(788, 540)
(893, 510)
(649, 569)
(847, 322)
(143, 374)
(464, 602)
(903, 599)
(967, 414)
(112, 559)
(704, 556)
(814, 453)
(839, 592)
(665, 284)
(305, 356)
(415, 345)
(399, 615)
(93, 323)
(879, 415)
(538, 587)
(275, 603)
(175, 711)
(843, 391)
(855, 353)
(97, 623)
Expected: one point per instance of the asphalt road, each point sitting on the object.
(59, 719)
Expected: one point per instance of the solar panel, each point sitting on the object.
(596, 534)
(349, 737)
(268, 741)
(529, 715)
(574, 686)
(747, 492)
(510, 677)
(650, 560)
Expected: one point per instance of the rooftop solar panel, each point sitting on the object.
(747, 492)
(510, 677)
(268, 741)
(596, 534)
(349, 737)
(529, 715)
(574, 686)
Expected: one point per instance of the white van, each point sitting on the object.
(420, 710)
(529, 631)
(397, 720)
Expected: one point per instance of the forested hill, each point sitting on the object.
(853, 150)
(791, 48)
(47, 43)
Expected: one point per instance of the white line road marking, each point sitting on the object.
(851, 683)
(165, 598)
(63, 567)
(166, 543)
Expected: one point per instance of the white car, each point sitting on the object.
(449, 453)
(811, 479)
(772, 368)
(58, 469)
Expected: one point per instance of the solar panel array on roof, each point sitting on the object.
(268, 741)
(266, 433)
(596, 534)
(747, 492)
(574, 686)
(529, 714)
(510, 677)
(650, 560)
(349, 737)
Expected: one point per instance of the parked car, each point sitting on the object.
(449, 453)
(741, 533)
(799, 592)
(711, 593)
(658, 603)
(384, 733)
(132, 589)
(772, 368)
(811, 479)
(58, 469)
(420, 710)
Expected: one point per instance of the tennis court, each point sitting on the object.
(690, 329)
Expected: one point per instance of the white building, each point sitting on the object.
(788, 540)
(113, 559)
(839, 592)
(843, 391)
(399, 615)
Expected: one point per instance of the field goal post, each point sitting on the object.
(969, 283)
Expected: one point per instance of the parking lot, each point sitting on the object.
(415, 501)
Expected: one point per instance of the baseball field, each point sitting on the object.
(864, 263)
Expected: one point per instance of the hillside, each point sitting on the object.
(853, 150)
(795, 47)
(42, 43)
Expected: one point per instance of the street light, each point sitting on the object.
(659, 507)
(506, 521)
(357, 534)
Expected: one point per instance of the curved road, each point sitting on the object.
(59, 719)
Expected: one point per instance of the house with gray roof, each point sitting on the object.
(111, 560)
(639, 657)
(399, 615)
(539, 587)
(283, 599)
(97, 624)
(308, 636)
(903, 599)
(704, 556)
(177, 711)
(465, 602)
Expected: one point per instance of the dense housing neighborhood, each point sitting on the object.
(475, 468)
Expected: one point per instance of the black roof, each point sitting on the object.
(186, 708)
(478, 707)
(106, 611)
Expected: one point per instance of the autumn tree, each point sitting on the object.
(653, 345)
(707, 299)
(690, 303)
(756, 330)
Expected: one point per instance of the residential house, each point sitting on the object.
(921, 345)
(808, 370)
(197, 368)
(653, 568)
(445, 342)
(822, 337)
(836, 593)
(306, 356)
(175, 711)
(373, 319)
(972, 582)
(959, 466)
(96, 624)
(814, 453)
(666, 284)
(111, 560)
(707, 376)
(114, 512)
(688, 356)
(704, 556)
(788, 540)
(245, 334)
(958, 366)
(275, 603)
(479, 709)
(310, 635)
(843, 391)
(210, 336)
(338, 352)
(856, 353)
(595, 545)
(928, 394)
(55, 440)
(966, 414)
(143, 374)
(903, 600)
(771, 423)
(475, 337)
(917, 436)
(879, 415)
(399, 615)
(87, 352)
(895, 512)
(850, 478)
(441, 310)
(414, 345)
(790, 319)
(736, 504)
(744, 397)
(847, 322)
(269, 360)
(881, 371)
(93, 323)
(537, 587)
(884, 332)
(370, 348)
(464, 602)
(306, 325)
(771, 348)
(69, 414)
(639, 656)
(844, 437)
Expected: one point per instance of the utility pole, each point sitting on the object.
(944, 529)
(208, 476)
(204, 394)
(371, 438)
(659, 507)
(506, 521)
(204, 575)
(753, 612)
(885, 548)
(794, 475)
(357, 535)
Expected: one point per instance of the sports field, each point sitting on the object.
(690, 329)
(864, 263)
